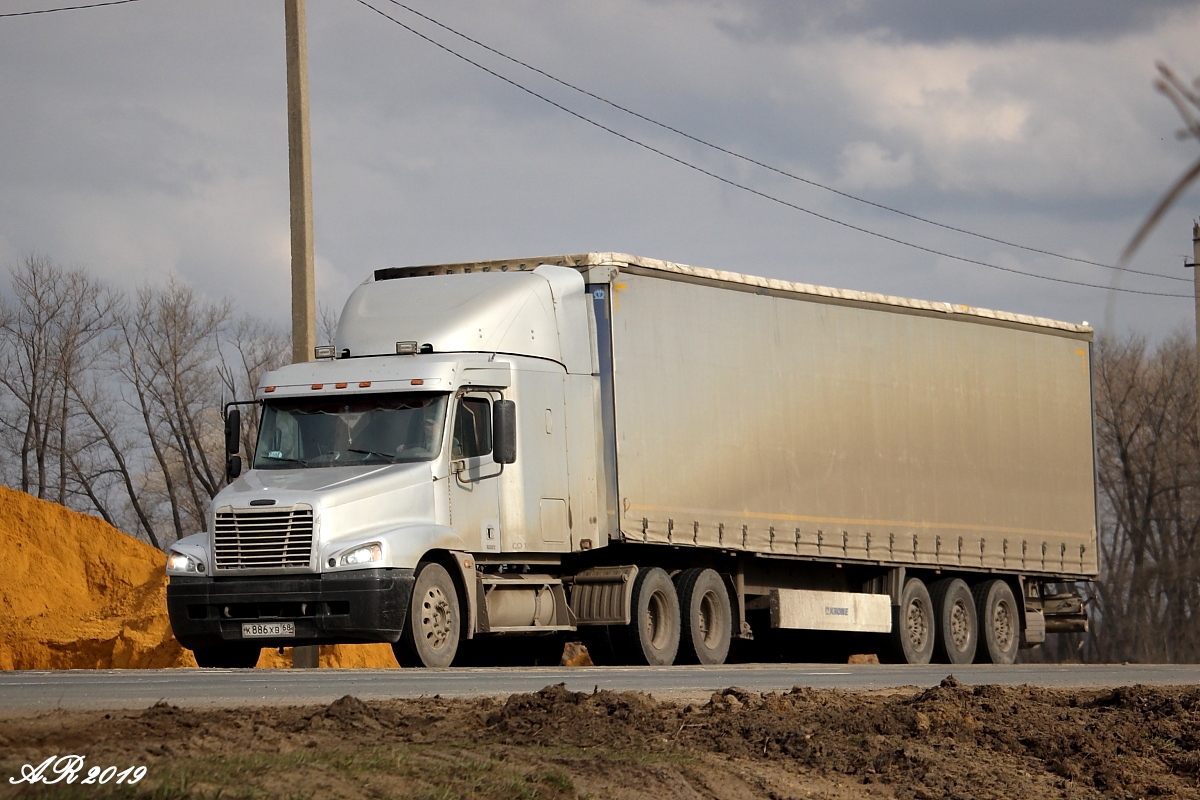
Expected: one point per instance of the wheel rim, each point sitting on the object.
(657, 629)
(1002, 625)
(708, 620)
(436, 618)
(918, 625)
(960, 626)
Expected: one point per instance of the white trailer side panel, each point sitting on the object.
(773, 422)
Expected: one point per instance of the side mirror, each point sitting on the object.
(504, 432)
(233, 431)
(233, 468)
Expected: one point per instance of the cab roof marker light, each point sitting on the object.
(318, 386)
(268, 388)
(339, 386)
(364, 384)
(406, 348)
(418, 381)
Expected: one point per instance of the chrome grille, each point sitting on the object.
(269, 538)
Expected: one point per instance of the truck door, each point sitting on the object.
(474, 496)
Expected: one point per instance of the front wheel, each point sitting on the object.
(433, 624)
(227, 656)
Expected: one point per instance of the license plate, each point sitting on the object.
(252, 630)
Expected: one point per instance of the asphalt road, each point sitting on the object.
(25, 692)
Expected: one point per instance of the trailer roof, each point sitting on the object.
(624, 261)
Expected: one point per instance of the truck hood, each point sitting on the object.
(347, 502)
(336, 484)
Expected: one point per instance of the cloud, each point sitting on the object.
(866, 165)
(149, 140)
(939, 21)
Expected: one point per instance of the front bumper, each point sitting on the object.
(335, 608)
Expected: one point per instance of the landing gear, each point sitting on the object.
(957, 631)
(706, 620)
(227, 656)
(913, 625)
(434, 623)
(652, 636)
(998, 622)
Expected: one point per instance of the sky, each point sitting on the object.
(148, 140)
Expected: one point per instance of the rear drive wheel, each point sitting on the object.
(913, 625)
(706, 622)
(652, 636)
(999, 623)
(957, 622)
(433, 625)
(227, 656)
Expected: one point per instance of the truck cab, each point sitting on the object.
(392, 468)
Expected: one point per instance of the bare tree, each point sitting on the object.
(1147, 599)
(111, 462)
(111, 403)
(327, 324)
(48, 337)
(169, 351)
(252, 347)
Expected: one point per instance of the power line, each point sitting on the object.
(67, 8)
(771, 168)
(749, 189)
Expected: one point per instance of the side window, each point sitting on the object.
(473, 427)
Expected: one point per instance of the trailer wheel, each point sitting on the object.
(227, 656)
(652, 636)
(914, 628)
(706, 621)
(432, 627)
(999, 622)
(957, 622)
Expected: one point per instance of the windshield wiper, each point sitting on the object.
(388, 456)
(283, 458)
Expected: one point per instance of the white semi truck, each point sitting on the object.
(658, 457)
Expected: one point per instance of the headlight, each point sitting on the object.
(178, 562)
(367, 554)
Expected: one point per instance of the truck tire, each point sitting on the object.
(652, 636)
(999, 622)
(706, 621)
(227, 656)
(957, 622)
(914, 626)
(433, 625)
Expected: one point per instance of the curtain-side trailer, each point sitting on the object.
(660, 458)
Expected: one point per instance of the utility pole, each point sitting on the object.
(304, 302)
(304, 297)
(1196, 284)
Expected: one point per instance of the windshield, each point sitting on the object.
(347, 431)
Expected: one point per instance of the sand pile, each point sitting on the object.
(77, 593)
(337, 656)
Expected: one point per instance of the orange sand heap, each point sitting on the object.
(76, 593)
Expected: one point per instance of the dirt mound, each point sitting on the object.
(80, 594)
(947, 742)
(337, 656)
